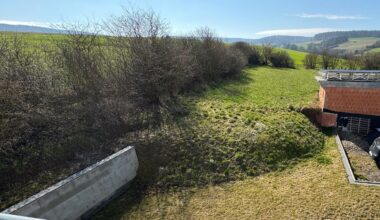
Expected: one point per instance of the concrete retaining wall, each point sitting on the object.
(79, 194)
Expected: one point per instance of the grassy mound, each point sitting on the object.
(244, 127)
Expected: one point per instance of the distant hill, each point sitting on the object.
(234, 40)
(282, 40)
(347, 34)
(29, 29)
(274, 40)
(343, 42)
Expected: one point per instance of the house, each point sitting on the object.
(349, 99)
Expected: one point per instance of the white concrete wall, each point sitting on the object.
(82, 192)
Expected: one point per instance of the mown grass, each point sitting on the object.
(243, 127)
(267, 87)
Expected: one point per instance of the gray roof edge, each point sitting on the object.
(348, 84)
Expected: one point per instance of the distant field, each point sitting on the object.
(351, 45)
(357, 43)
(374, 50)
(297, 56)
(33, 38)
(305, 44)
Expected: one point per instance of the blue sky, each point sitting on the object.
(229, 18)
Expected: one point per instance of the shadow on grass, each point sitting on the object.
(122, 204)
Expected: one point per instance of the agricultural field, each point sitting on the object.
(33, 38)
(305, 44)
(354, 44)
(374, 50)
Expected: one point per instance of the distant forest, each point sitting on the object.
(348, 34)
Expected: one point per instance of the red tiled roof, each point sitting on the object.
(364, 101)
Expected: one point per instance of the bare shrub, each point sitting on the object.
(81, 57)
(215, 60)
(210, 53)
(235, 61)
(371, 61)
(251, 53)
(266, 51)
(24, 90)
(281, 59)
(151, 67)
(352, 62)
(329, 60)
(310, 61)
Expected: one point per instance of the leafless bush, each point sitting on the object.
(352, 62)
(251, 53)
(214, 59)
(281, 59)
(310, 61)
(81, 55)
(329, 60)
(235, 61)
(25, 87)
(151, 67)
(371, 61)
(209, 53)
(266, 51)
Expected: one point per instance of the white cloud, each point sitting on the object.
(331, 17)
(295, 32)
(28, 23)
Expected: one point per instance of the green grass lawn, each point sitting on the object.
(297, 56)
(314, 188)
(233, 125)
(227, 134)
(267, 87)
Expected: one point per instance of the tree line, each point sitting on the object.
(329, 59)
(265, 55)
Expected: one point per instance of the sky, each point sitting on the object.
(228, 18)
